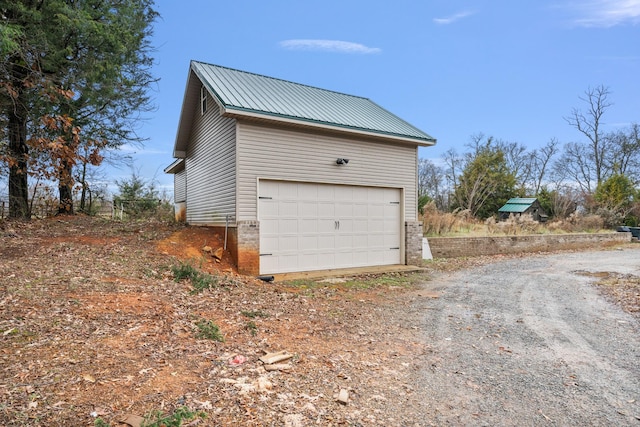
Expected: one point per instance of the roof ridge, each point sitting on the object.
(281, 80)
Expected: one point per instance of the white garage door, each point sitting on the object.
(305, 226)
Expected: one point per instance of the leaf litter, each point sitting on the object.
(93, 325)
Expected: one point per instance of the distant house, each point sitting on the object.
(523, 206)
(302, 178)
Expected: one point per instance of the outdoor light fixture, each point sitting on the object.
(340, 161)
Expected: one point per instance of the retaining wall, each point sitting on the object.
(455, 247)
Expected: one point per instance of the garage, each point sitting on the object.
(312, 226)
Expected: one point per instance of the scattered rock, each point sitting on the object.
(131, 420)
(293, 420)
(218, 253)
(343, 396)
(279, 356)
(263, 384)
(207, 249)
(278, 367)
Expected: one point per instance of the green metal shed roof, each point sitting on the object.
(517, 204)
(243, 92)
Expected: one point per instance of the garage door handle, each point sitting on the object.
(336, 225)
(398, 248)
(266, 254)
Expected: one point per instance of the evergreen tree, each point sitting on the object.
(74, 79)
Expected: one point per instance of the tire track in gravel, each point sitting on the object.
(530, 342)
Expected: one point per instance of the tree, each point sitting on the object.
(559, 203)
(93, 60)
(136, 196)
(540, 161)
(485, 183)
(589, 160)
(615, 198)
(625, 152)
(430, 184)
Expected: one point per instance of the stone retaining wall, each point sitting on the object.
(454, 247)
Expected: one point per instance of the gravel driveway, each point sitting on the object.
(530, 341)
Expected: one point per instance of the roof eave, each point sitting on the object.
(175, 167)
(230, 111)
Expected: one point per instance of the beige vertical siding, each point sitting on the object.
(180, 186)
(211, 168)
(270, 153)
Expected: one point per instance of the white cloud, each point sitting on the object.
(133, 149)
(328, 46)
(453, 18)
(606, 13)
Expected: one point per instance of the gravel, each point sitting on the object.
(530, 341)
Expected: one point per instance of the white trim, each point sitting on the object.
(203, 100)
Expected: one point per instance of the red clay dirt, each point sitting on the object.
(93, 324)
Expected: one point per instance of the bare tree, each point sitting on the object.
(431, 182)
(518, 161)
(574, 166)
(625, 152)
(564, 201)
(589, 123)
(540, 161)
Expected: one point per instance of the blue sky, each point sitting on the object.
(508, 69)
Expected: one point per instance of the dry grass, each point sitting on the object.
(457, 223)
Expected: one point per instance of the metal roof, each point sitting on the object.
(243, 93)
(518, 204)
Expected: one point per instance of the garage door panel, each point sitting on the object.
(288, 208)
(344, 260)
(288, 243)
(360, 225)
(375, 241)
(269, 208)
(310, 243)
(326, 226)
(345, 226)
(375, 211)
(391, 241)
(308, 209)
(269, 263)
(326, 242)
(269, 244)
(307, 261)
(307, 226)
(360, 210)
(287, 191)
(391, 256)
(344, 210)
(326, 209)
(288, 225)
(324, 192)
(344, 241)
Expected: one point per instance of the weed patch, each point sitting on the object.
(254, 314)
(159, 419)
(252, 328)
(207, 329)
(199, 280)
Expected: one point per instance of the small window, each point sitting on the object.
(203, 100)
